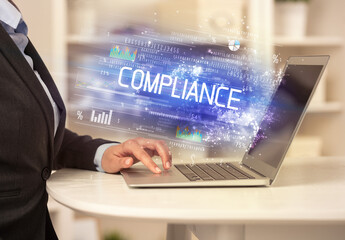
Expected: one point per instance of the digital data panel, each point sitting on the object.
(205, 94)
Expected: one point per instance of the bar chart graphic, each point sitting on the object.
(186, 134)
(115, 52)
(101, 117)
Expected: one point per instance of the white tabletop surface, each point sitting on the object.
(308, 190)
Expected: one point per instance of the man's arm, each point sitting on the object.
(79, 152)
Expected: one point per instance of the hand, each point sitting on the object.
(132, 151)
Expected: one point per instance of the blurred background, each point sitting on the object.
(61, 30)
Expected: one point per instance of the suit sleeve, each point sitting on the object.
(77, 151)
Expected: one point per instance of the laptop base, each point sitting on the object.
(139, 176)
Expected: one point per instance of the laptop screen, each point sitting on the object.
(283, 114)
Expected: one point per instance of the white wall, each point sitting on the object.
(327, 18)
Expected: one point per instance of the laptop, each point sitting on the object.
(265, 154)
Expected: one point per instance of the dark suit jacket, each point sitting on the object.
(28, 148)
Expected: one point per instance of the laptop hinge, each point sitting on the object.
(251, 169)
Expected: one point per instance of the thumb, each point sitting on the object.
(126, 162)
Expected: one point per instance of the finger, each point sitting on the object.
(164, 154)
(160, 148)
(151, 152)
(133, 148)
(126, 162)
(167, 149)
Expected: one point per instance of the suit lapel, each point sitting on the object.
(23, 69)
(40, 67)
(49, 82)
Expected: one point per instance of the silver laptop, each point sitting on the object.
(263, 158)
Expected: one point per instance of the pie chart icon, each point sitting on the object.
(234, 45)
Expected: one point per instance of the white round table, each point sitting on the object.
(306, 190)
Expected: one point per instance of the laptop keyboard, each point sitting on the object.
(212, 171)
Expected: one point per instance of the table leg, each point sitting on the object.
(218, 232)
(178, 232)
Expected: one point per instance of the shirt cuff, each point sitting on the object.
(99, 154)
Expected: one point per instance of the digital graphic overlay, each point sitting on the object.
(203, 93)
